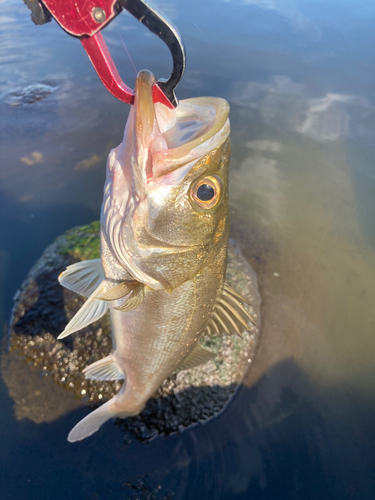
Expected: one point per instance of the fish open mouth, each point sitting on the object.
(141, 220)
(167, 140)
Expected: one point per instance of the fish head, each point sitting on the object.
(165, 209)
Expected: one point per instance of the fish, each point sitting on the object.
(164, 240)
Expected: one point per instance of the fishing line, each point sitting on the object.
(130, 59)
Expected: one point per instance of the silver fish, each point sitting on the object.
(164, 238)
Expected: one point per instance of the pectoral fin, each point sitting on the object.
(198, 356)
(134, 300)
(83, 277)
(104, 369)
(92, 310)
(119, 291)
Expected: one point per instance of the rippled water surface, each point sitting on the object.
(299, 77)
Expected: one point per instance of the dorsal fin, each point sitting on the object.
(229, 315)
(235, 294)
(198, 356)
(214, 329)
(83, 277)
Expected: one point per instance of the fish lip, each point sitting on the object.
(144, 129)
(155, 155)
(212, 113)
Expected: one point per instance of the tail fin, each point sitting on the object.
(91, 423)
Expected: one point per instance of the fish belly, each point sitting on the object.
(153, 340)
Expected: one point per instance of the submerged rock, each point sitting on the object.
(42, 309)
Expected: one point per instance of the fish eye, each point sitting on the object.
(206, 193)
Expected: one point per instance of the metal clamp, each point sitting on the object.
(85, 18)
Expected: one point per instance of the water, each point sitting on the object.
(299, 78)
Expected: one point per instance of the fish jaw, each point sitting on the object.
(146, 187)
(147, 136)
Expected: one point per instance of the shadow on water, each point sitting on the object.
(277, 439)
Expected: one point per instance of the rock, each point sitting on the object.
(30, 94)
(42, 309)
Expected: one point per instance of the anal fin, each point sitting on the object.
(198, 356)
(104, 369)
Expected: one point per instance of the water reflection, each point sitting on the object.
(333, 116)
(260, 174)
(285, 103)
(291, 10)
